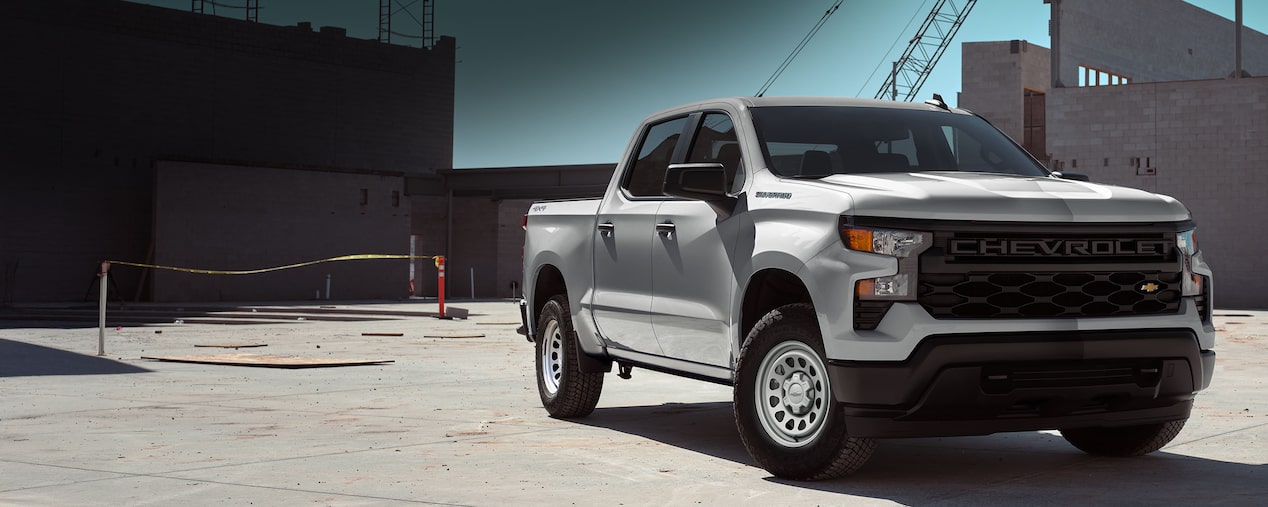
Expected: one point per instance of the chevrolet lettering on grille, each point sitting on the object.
(1055, 247)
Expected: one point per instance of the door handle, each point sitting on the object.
(666, 228)
(606, 228)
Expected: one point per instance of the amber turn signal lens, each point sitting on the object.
(859, 239)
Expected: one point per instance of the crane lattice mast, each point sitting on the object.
(925, 49)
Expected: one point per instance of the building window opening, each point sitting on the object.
(1035, 124)
(1090, 76)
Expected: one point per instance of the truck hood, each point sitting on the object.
(954, 195)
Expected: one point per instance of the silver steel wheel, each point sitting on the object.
(552, 357)
(792, 395)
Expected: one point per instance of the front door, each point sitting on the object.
(624, 234)
(693, 279)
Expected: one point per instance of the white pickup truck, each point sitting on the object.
(862, 269)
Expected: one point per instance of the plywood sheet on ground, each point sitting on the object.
(267, 361)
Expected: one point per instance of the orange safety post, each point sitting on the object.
(440, 282)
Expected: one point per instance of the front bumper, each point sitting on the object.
(971, 384)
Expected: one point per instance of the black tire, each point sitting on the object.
(794, 427)
(1123, 441)
(565, 390)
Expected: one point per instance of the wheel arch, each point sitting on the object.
(548, 283)
(768, 289)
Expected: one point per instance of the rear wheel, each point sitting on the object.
(784, 408)
(1124, 441)
(565, 390)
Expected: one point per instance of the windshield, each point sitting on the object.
(817, 141)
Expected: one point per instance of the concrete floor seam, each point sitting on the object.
(359, 451)
(123, 475)
(1217, 435)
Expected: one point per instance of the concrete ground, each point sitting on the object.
(457, 421)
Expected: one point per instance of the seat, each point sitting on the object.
(888, 162)
(815, 164)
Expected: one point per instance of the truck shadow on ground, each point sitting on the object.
(1006, 468)
(18, 359)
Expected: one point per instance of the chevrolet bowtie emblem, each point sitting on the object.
(1149, 288)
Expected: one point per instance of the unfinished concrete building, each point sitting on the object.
(1146, 94)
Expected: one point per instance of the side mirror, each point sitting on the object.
(1071, 176)
(701, 182)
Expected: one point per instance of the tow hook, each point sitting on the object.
(623, 370)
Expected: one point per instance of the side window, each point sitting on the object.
(647, 177)
(715, 141)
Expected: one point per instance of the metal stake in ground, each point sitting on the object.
(101, 308)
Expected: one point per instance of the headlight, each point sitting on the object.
(882, 241)
(905, 245)
(1187, 243)
(883, 287)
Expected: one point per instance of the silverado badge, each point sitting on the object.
(1149, 287)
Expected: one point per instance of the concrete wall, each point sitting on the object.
(96, 91)
(277, 217)
(486, 237)
(994, 76)
(1150, 40)
(1203, 142)
(429, 222)
(511, 245)
(488, 208)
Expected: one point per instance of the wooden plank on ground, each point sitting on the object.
(454, 335)
(382, 334)
(497, 323)
(231, 345)
(267, 361)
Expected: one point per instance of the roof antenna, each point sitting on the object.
(937, 102)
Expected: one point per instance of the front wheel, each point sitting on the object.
(784, 407)
(566, 391)
(1123, 441)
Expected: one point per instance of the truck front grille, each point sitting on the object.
(1048, 294)
(1020, 270)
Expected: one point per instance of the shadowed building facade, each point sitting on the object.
(146, 134)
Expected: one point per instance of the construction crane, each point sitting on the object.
(925, 49)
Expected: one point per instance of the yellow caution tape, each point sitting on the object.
(278, 268)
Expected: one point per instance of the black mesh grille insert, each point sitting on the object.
(1018, 294)
(868, 314)
(1204, 307)
(1004, 378)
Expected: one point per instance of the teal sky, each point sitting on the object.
(546, 82)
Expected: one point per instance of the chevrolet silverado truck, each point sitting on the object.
(862, 269)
